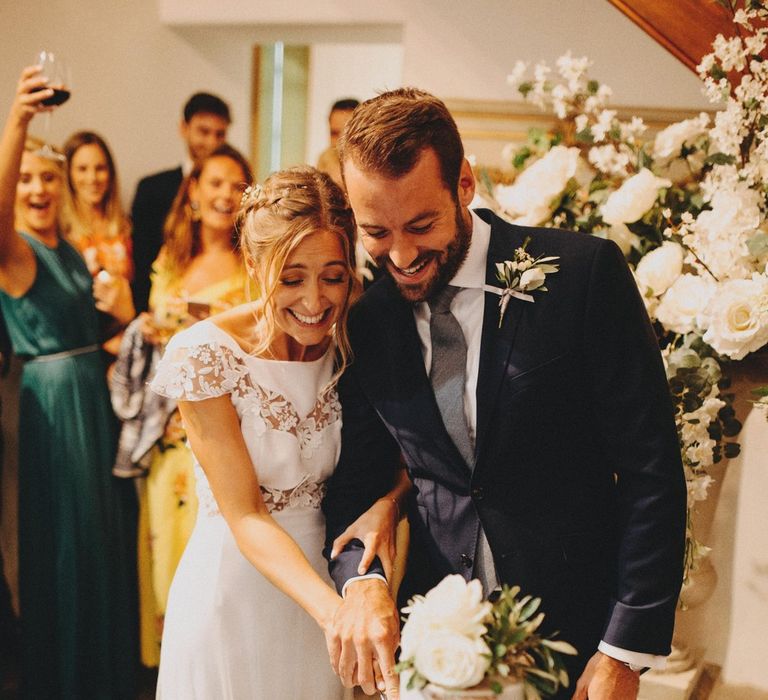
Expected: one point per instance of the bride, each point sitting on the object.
(256, 389)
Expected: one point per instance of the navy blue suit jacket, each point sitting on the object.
(151, 205)
(578, 481)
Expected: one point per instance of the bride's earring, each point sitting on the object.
(195, 207)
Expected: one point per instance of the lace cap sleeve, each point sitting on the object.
(194, 371)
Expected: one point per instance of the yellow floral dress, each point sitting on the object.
(168, 504)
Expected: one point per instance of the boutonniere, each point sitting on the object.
(522, 274)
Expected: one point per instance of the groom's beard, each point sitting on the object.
(447, 263)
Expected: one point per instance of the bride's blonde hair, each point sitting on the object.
(274, 219)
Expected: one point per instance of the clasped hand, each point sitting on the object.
(363, 638)
(365, 631)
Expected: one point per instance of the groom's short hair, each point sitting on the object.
(388, 133)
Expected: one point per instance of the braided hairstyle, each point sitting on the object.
(274, 219)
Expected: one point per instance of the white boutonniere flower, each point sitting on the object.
(522, 274)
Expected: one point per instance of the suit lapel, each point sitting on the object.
(497, 342)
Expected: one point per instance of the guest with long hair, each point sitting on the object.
(199, 271)
(75, 565)
(95, 222)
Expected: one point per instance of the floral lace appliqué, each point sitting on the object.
(210, 370)
(279, 414)
(306, 494)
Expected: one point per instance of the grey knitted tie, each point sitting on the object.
(448, 371)
(447, 375)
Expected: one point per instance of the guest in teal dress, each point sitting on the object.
(76, 574)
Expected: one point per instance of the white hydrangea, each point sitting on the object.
(730, 53)
(518, 71)
(729, 129)
(633, 129)
(719, 236)
(573, 70)
(701, 454)
(682, 307)
(603, 125)
(596, 102)
(610, 160)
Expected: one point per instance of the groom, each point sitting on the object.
(539, 437)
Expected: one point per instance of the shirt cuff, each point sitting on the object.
(360, 578)
(636, 658)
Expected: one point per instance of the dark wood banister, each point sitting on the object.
(686, 28)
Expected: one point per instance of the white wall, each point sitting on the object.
(465, 49)
(134, 64)
(346, 70)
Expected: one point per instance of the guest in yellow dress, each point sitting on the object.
(199, 272)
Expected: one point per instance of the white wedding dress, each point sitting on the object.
(230, 634)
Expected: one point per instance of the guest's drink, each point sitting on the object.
(59, 97)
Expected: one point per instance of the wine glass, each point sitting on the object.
(59, 80)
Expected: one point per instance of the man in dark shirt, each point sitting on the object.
(203, 128)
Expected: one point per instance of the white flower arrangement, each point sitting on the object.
(687, 208)
(453, 639)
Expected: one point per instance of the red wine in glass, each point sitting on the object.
(59, 97)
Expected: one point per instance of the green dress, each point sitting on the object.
(76, 574)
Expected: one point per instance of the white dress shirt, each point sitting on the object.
(468, 307)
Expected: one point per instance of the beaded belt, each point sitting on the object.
(66, 353)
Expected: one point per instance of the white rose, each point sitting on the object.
(669, 141)
(698, 488)
(454, 605)
(528, 201)
(657, 270)
(681, 308)
(452, 660)
(737, 317)
(621, 236)
(635, 197)
(650, 301)
(531, 279)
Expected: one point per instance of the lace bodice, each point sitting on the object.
(289, 417)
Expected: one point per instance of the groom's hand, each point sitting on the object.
(366, 633)
(605, 678)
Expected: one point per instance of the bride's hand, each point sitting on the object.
(376, 529)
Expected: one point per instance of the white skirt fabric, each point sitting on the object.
(231, 635)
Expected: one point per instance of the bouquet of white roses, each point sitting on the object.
(454, 639)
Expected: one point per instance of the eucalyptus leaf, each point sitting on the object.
(560, 646)
(732, 449)
(758, 245)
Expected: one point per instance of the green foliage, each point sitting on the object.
(720, 159)
(518, 649)
(758, 245)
